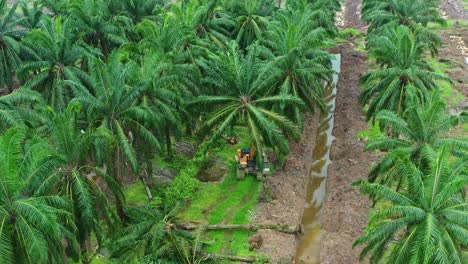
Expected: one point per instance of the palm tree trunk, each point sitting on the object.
(168, 142)
(399, 185)
(117, 174)
(121, 212)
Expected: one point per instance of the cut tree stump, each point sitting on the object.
(288, 229)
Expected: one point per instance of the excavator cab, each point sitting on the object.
(246, 163)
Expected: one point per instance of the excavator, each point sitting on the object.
(246, 163)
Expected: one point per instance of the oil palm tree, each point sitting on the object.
(138, 10)
(153, 236)
(19, 108)
(378, 13)
(403, 73)
(238, 98)
(166, 92)
(56, 7)
(323, 12)
(32, 15)
(10, 45)
(299, 67)
(116, 107)
(54, 70)
(427, 223)
(94, 24)
(206, 19)
(77, 179)
(252, 19)
(32, 228)
(420, 135)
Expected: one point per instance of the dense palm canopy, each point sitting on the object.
(96, 26)
(299, 66)
(426, 223)
(32, 224)
(95, 87)
(251, 17)
(10, 45)
(77, 181)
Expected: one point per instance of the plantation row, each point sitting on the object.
(418, 187)
(95, 90)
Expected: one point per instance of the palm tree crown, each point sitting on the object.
(239, 99)
(404, 73)
(428, 223)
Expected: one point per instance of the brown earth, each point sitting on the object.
(345, 210)
(454, 9)
(289, 188)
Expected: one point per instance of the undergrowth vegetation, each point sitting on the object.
(98, 96)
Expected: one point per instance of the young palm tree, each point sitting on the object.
(94, 24)
(299, 67)
(403, 73)
(31, 224)
(54, 69)
(10, 45)
(420, 135)
(239, 98)
(425, 224)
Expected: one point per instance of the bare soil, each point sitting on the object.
(289, 188)
(345, 210)
(344, 214)
(454, 9)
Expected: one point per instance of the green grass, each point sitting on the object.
(227, 202)
(101, 261)
(372, 132)
(452, 96)
(450, 23)
(135, 194)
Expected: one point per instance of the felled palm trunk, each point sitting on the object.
(288, 229)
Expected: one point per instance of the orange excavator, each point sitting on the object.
(246, 163)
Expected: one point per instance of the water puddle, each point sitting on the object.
(308, 250)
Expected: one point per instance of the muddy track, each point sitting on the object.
(289, 188)
(345, 209)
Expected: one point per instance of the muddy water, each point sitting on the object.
(308, 250)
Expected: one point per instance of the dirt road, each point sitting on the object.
(345, 209)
